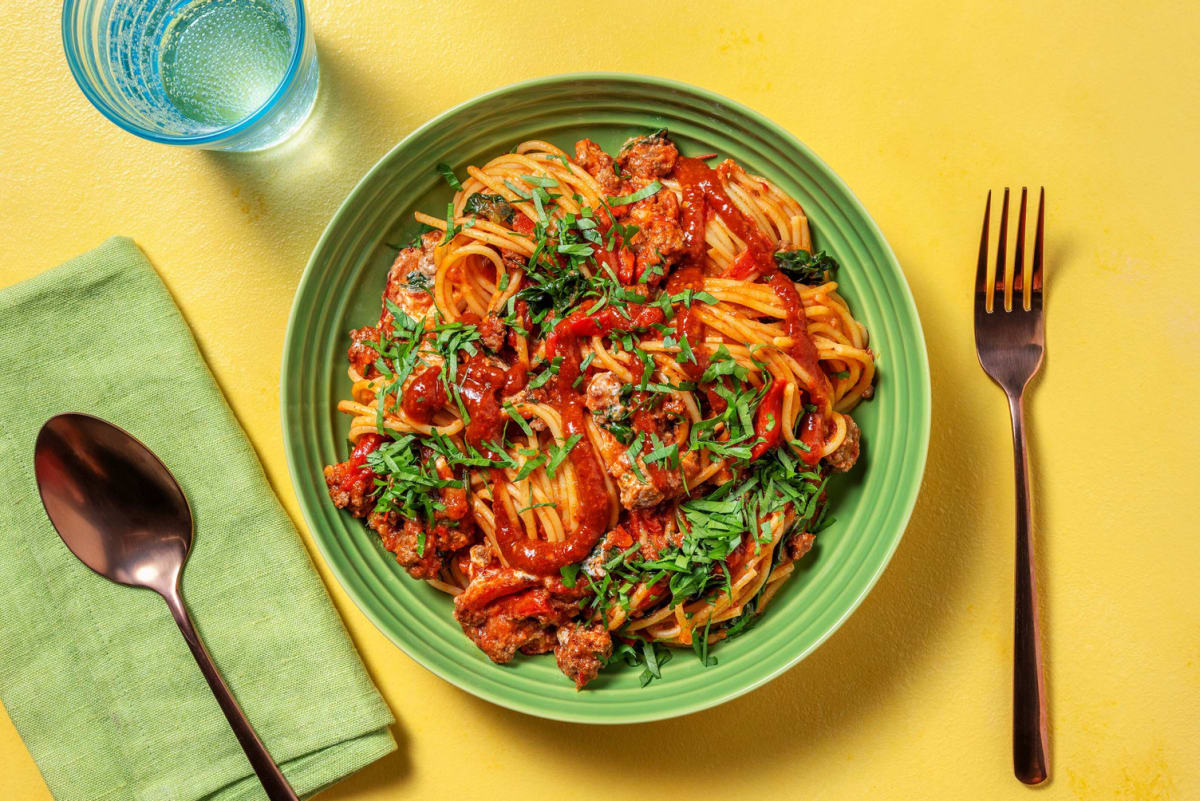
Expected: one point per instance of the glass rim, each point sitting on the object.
(104, 107)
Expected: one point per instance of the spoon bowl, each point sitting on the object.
(113, 502)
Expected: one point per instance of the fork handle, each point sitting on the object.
(1030, 758)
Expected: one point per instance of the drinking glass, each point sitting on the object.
(215, 74)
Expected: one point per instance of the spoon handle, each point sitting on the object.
(268, 772)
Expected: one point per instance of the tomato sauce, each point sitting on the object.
(522, 224)
(812, 434)
(518, 377)
(701, 181)
(688, 325)
(805, 353)
(768, 425)
(358, 475)
(693, 211)
(480, 385)
(540, 556)
(697, 177)
(425, 395)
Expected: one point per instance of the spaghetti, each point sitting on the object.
(602, 402)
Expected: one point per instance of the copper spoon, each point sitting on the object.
(119, 509)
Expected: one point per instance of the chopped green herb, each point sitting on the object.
(805, 267)
(641, 194)
(491, 207)
(631, 456)
(417, 281)
(449, 175)
(559, 452)
(539, 180)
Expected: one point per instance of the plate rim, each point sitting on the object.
(905, 296)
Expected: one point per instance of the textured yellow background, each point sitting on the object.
(920, 109)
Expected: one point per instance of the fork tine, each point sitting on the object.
(1035, 279)
(982, 289)
(1001, 274)
(1020, 286)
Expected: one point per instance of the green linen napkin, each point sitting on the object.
(95, 676)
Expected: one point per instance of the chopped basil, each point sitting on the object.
(641, 194)
(449, 175)
(539, 180)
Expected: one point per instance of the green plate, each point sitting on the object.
(341, 289)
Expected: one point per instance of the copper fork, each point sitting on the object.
(1010, 339)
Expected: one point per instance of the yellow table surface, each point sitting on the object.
(921, 107)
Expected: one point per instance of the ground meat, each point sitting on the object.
(504, 610)
(846, 455)
(492, 331)
(410, 275)
(604, 397)
(361, 355)
(659, 239)
(582, 651)
(799, 544)
(451, 529)
(527, 395)
(480, 558)
(638, 494)
(598, 164)
(498, 636)
(454, 514)
(541, 643)
(450, 537)
(350, 488)
(649, 528)
(402, 539)
(660, 205)
(652, 156)
(593, 565)
(661, 242)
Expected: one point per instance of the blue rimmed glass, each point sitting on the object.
(215, 74)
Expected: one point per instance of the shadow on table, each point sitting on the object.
(849, 680)
(388, 773)
(391, 772)
(288, 193)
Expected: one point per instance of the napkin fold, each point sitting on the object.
(95, 676)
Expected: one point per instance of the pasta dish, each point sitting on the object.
(602, 401)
